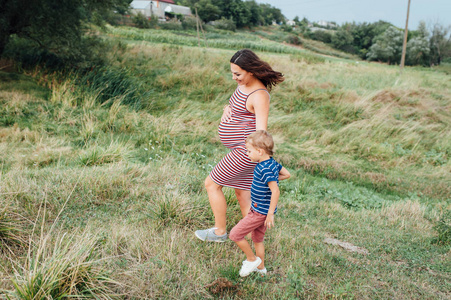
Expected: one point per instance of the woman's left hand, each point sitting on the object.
(227, 114)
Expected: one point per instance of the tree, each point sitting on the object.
(243, 13)
(440, 43)
(418, 51)
(207, 11)
(57, 26)
(322, 35)
(256, 18)
(236, 10)
(387, 46)
(271, 14)
(422, 30)
(364, 35)
(343, 39)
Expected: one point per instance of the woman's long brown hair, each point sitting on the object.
(250, 62)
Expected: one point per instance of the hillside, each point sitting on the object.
(107, 171)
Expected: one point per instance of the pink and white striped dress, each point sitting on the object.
(235, 170)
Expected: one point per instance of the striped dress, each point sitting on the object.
(235, 170)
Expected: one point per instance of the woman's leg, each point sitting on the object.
(244, 199)
(218, 205)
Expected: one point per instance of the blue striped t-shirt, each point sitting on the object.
(264, 172)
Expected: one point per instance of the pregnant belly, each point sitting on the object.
(234, 133)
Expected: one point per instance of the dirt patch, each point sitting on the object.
(386, 97)
(413, 98)
(347, 246)
(222, 287)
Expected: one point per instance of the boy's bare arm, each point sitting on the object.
(284, 174)
(275, 193)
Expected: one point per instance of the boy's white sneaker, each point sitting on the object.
(249, 266)
(261, 272)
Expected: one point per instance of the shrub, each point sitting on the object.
(172, 25)
(294, 40)
(322, 36)
(443, 227)
(286, 28)
(226, 24)
(142, 21)
(189, 23)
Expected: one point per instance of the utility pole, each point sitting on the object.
(197, 26)
(199, 23)
(404, 44)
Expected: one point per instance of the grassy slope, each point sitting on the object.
(369, 150)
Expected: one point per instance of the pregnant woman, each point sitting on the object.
(247, 111)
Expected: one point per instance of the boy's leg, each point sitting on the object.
(246, 248)
(258, 236)
(248, 224)
(260, 252)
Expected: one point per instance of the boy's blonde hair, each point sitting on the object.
(261, 139)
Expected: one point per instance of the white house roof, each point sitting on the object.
(139, 4)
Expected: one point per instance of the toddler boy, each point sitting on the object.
(264, 196)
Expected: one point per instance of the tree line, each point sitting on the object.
(242, 13)
(57, 30)
(381, 41)
(378, 41)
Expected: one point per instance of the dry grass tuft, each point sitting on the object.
(16, 134)
(116, 151)
(12, 230)
(376, 178)
(65, 267)
(406, 214)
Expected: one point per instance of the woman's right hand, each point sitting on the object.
(227, 114)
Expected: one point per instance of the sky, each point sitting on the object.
(359, 11)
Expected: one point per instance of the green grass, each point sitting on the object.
(223, 40)
(368, 149)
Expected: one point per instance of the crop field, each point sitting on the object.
(101, 176)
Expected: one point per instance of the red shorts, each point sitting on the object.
(254, 222)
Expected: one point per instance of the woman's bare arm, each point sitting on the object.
(259, 105)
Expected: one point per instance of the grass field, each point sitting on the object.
(101, 177)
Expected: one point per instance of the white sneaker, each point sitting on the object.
(261, 272)
(249, 266)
